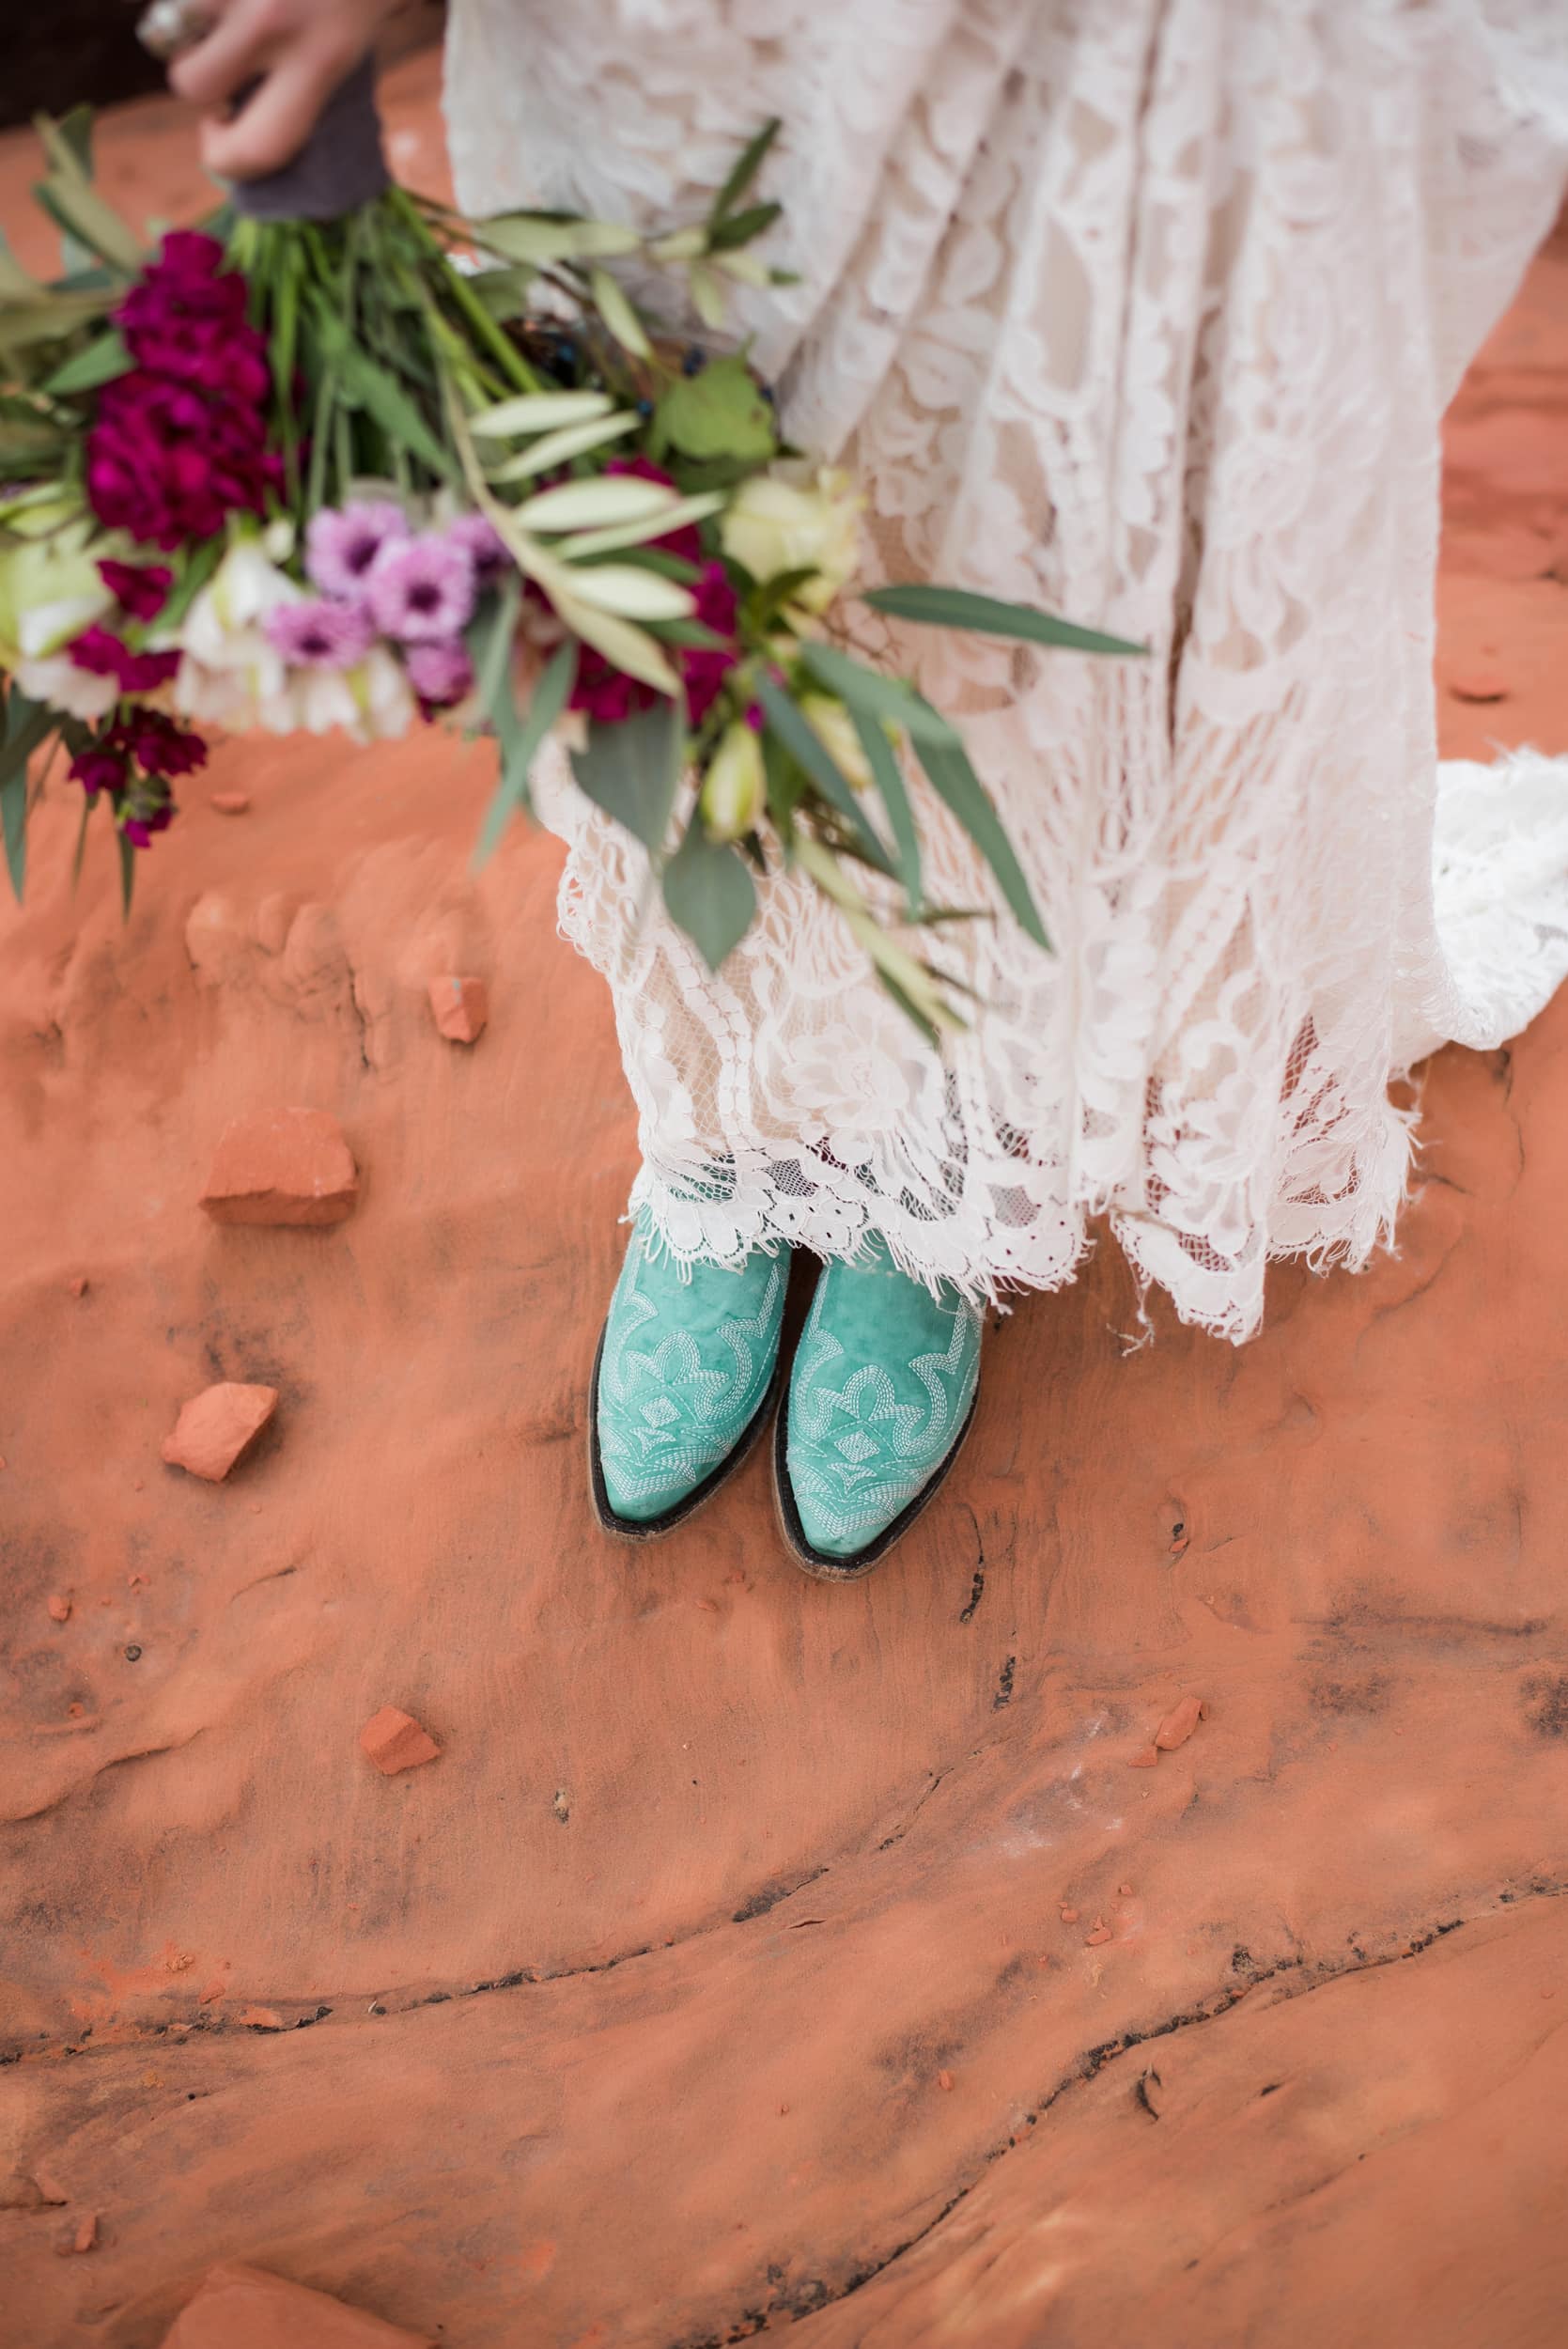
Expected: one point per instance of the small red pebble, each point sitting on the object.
(229, 802)
(461, 1007)
(282, 1166)
(1069, 1916)
(59, 1606)
(75, 1712)
(213, 1990)
(1179, 1724)
(783, 2109)
(1144, 1761)
(1101, 1932)
(1124, 1891)
(260, 2018)
(86, 2232)
(1479, 685)
(393, 1741)
(944, 2079)
(79, 1284)
(135, 1585)
(217, 1428)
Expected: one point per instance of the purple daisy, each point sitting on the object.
(439, 673)
(340, 547)
(422, 588)
(317, 634)
(483, 541)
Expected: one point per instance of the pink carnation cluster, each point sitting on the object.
(378, 576)
(608, 696)
(180, 441)
(133, 762)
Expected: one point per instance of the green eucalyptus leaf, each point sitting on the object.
(537, 412)
(739, 228)
(889, 775)
(559, 448)
(101, 363)
(519, 738)
(540, 238)
(809, 749)
(615, 308)
(633, 770)
(988, 615)
(745, 168)
(709, 894)
(880, 696)
(961, 788)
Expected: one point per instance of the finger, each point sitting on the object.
(239, 46)
(271, 127)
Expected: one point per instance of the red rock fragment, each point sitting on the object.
(230, 803)
(461, 1007)
(262, 2018)
(393, 1741)
(217, 1427)
(79, 1284)
(282, 1166)
(212, 1991)
(59, 1606)
(86, 2232)
(1124, 1891)
(1179, 1724)
(944, 2079)
(1142, 1761)
(238, 2306)
(1069, 1916)
(1479, 685)
(1101, 1932)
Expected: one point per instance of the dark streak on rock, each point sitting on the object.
(1005, 1685)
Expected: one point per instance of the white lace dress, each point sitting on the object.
(1146, 311)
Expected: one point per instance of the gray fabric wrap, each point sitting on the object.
(340, 166)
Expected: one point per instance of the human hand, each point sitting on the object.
(296, 51)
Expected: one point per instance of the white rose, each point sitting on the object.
(777, 525)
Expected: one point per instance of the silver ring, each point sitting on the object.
(170, 26)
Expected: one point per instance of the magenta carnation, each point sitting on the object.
(132, 762)
(140, 589)
(98, 768)
(318, 634)
(340, 547)
(179, 442)
(101, 653)
(441, 674)
(422, 588)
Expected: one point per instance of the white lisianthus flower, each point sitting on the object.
(60, 684)
(735, 788)
(230, 674)
(49, 585)
(383, 695)
(780, 522)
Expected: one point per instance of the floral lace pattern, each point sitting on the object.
(1147, 313)
(675, 1399)
(859, 1454)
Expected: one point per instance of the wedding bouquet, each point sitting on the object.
(398, 466)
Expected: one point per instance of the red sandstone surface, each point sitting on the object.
(760, 1953)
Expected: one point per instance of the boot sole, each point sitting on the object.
(654, 1529)
(816, 1562)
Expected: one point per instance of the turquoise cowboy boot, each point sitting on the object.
(686, 1374)
(880, 1399)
